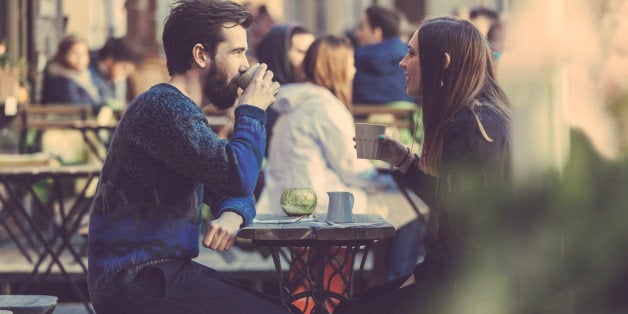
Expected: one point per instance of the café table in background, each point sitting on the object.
(68, 117)
(42, 229)
(321, 254)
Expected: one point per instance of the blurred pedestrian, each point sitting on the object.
(67, 79)
(111, 65)
(378, 77)
(283, 49)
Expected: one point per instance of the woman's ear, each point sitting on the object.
(200, 58)
(447, 61)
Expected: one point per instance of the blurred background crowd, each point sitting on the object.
(563, 64)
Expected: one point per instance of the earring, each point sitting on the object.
(441, 83)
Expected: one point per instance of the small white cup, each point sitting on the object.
(367, 139)
(340, 207)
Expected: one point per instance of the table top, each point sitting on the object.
(365, 227)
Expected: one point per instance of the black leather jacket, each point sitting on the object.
(472, 171)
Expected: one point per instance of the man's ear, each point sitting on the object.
(447, 61)
(200, 58)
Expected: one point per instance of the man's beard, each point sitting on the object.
(221, 91)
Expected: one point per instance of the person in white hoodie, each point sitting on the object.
(312, 145)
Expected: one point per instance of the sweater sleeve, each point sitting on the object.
(422, 184)
(243, 206)
(179, 137)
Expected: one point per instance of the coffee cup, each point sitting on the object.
(340, 207)
(367, 139)
(245, 79)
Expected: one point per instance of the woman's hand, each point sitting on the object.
(391, 151)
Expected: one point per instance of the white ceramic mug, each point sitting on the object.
(340, 207)
(367, 139)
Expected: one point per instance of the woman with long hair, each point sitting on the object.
(464, 159)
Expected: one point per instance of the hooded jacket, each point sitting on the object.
(273, 50)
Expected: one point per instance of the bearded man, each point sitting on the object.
(165, 161)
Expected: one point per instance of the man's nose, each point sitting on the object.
(244, 66)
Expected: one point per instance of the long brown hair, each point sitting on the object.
(446, 91)
(325, 64)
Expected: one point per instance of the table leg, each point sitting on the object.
(48, 249)
(94, 146)
(4, 215)
(321, 277)
(73, 220)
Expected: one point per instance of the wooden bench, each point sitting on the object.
(28, 304)
(38, 116)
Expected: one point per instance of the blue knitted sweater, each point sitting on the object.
(163, 164)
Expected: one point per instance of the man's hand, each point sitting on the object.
(223, 231)
(261, 91)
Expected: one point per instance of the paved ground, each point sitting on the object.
(243, 263)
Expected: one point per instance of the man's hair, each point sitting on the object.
(121, 49)
(482, 11)
(385, 19)
(194, 22)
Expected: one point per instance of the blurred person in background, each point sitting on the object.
(496, 37)
(615, 69)
(67, 79)
(263, 21)
(464, 161)
(378, 77)
(111, 65)
(283, 49)
(490, 25)
(483, 18)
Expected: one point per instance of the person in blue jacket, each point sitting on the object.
(378, 77)
(165, 161)
(113, 63)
